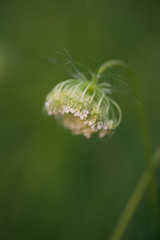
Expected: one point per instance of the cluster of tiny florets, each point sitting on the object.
(83, 108)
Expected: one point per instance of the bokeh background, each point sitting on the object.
(54, 185)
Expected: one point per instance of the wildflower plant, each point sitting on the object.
(86, 107)
(83, 105)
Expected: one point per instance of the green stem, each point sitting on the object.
(131, 206)
(147, 148)
(109, 64)
(135, 198)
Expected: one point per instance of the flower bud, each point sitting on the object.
(84, 107)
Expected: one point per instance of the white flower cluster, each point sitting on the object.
(83, 109)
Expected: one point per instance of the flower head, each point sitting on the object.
(85, 107)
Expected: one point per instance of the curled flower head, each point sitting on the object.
(85, 106)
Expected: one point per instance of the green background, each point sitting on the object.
(54, 185)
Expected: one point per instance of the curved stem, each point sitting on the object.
(108, 105)
(84, 92)
(61, 85)
(94, 93)
(105, 66)
(129, 210)
(146, 139)
(119, 111)
(100, 101)
(75, 89)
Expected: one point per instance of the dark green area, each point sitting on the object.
(54, 185)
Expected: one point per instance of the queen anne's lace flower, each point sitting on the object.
(84, 107)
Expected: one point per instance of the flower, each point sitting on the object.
(85, 107)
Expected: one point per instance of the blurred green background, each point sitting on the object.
(54, 185)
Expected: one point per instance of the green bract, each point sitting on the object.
(85, 107)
